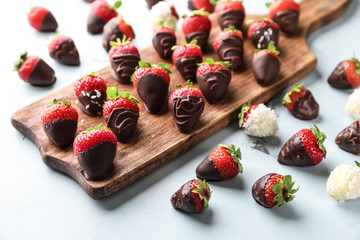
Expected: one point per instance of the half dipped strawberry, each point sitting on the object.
(346, 75)
(63, 50)
(114, 29)
(286, 14)
(100, 13)
(262, 32)
(42, 19)
(230, 13)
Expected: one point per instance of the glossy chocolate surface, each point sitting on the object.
(187, 66)
(49, 23)
(95, 24)
(232, 49)
(338, 78)
(42, 74)
(258, 189)
(293, 153)
(261, 37)
(182, 199)
(287, 20)
(230, 18)
(306, 107)
(61, 132)
(349, 139)
(200, 36)
(265, 68)
(66, 53)
(123, 66)
(163, 42)
(122, 123)
(110, 33)
(207, 170)
(92, 102)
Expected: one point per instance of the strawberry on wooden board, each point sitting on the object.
(262, 32)
(100, 13)
(59, 121)
(121, 114)
(304, 148)
(221, 164)
(116, 28)
(151, 82)
(273, 189)
(186, 105)
(34, 70)
(214, 79)
(346, 75)
(42, 19)
(286, 14)
(95, 149)
(163, 40)
(63, 50)
(207, 5)
(230, 13)
(192, 197)
(301, 103)
(91, 93)
(349, 139)
(124, 58)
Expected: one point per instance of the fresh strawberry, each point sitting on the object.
(305, 148)
(230, 13)
(286, 14)
(34, 70)
(116, 28)
(273, 189)
(100, 13)
(192, 197)
(214, 79)
(163, 40)
(95, 149)
(346, 75)
(349, 138)
(163, 12)
(196, 26)
(301, 103)
(229, 45)
(262, 32)
(186, 57)
(207, 5)
(121, 114)
(63, 50)
(42, 19)
(186, 105)
(59, 121)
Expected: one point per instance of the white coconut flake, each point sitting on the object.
(82, 120)
(352, 105)
(162, 12)
(261, 122)
(87, 106)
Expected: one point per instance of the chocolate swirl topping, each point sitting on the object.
(182, 199)
(338, 78)
(201, 37)
(293, 153)
(349, 139)
(187, 66)
(92, 102)
(230, 18)
(66, 53)
(95, 24)
(123, 66)
(42, 74)
(258, 189)
(261, 37)
(163, 42)
(111, 32)
(306, 108)
(287, 20)
(49, 23)
(265, 68)
(61, 132)
(122, 123)
(207, 170)
(232, 49)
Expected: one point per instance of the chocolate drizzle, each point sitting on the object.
(163, 42)
(349, 139)
(92, 102)
(123, 66)
(66, 53)
(122, 123)
(231, 49)
(111, 32)
(293, 153)
(265, 68)
(42, 74)
(201, 37)
(258, 189)
(49, 23)
(95, 24)
(61, 132)
(261, 37)
(182, 199)
(152, 3)
(207, 170)
(187, 66)
(287, 20)
(338, 78)
(228, 18)
(306, 107)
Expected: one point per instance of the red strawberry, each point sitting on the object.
(59, 121)
(34, 70)
(63, 50)
(305, 148)
(266, 64)
(121, 114)
(196, 26)
(286, 14)
(116, 28)
(163, 12)
(346, 75)
(262, 32)
(192, 197)
(221, 164)
(100, 13)
(95, 150)
(229, 45)
(163, 40)
(186, 105)
(349, 139)
(230, 13)
(207, 5)
(214, 79)
(186, 57)
(301, 103)
(272, 190)
(42, 19)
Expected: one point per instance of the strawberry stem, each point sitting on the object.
(19, 62)
(320, 136)
(296, 88)
(203, 190)
(235, 154)
(283, 190)
(241, 115)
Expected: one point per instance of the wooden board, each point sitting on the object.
(156, 139)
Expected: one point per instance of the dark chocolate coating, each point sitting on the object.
(258, 189)
(182, 199)
(231, 49)
(89, 1)
(293, 153)
(191, 5)
(201, 37)
(214, 85)
(95, 24)
(152, 3)
(42, 74)
(306, 107)
(49, 23)
(61, 132)
(230, 18)
(111, 32)
(66, 53)
(92, 102)
(187, 66)
(123, 66)
(265, 68)
(207, 170)
(261, 37)
(287, 20)
(338, 78)
(153, 90)
(186, 111)
(163, 42)
(122, 123)
(349, 139)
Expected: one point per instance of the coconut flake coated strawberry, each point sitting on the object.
(346, 75)
(114, 29)
(196, 26)
(286, 14)
(100, 13)
(42, 19)
(230, 13)
(266, 64)
(163, 40)
(262, 32)
(163, 12)
(63, 50)
(207, 5)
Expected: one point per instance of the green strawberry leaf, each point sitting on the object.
(235, 154)
(296, 88)
(244, 109)
(268, 5)
(94, 74)
(144, 64)
(19, 62)
(128, 96)
(118, 42)
(233, 29)
(197, 13)
(112, 93)
(189, 84)
(320, 136)
(357, 163)
(210, 61)
(203, 191)
(357, 63)
(117, 4)
(283, 190)
(165, 67)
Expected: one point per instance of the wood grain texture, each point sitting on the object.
(156, 140)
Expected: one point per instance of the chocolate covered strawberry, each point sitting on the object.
(34, 70)
(230, 13)
(286, 14)
(207, 5)
(273, 190)
(124, 58)
(100, 13)
(214, 79)
(349, 139)
(152, 3)
(305, 148)
(152, 84)
(186, 105)
(63, 50)
(262, 32)
(229, 45)
(221, 164)
(163, 40)
(116, 28)
(91, 93)
(196, 26)
(346, 75)
(59, 121)
(95, 149)
(42, 19)
(301, 103)
(121, 114)
(192, 197)
(266, 64)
